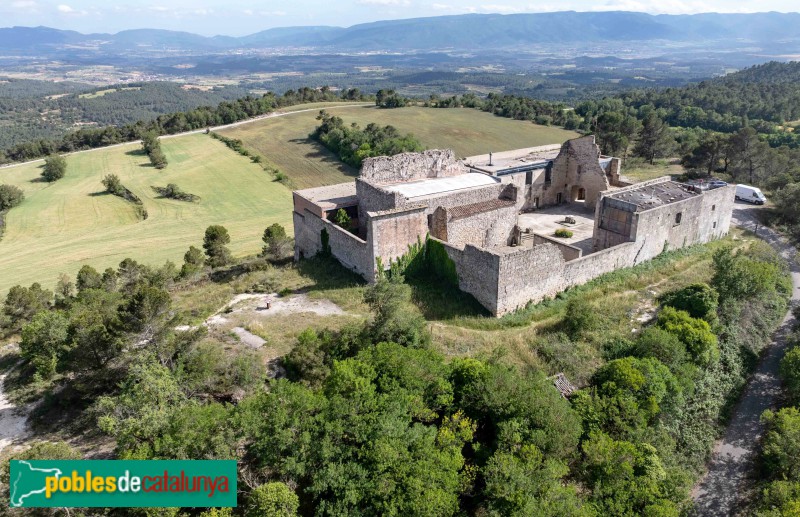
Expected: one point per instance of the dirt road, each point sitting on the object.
(13, 421)
(719, 491)
(274, 114)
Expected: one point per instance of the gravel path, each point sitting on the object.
(718, 493)
(13, 421)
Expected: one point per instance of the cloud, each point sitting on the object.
(63, 8)
(657, 6)
(403, 3)
(23, 4)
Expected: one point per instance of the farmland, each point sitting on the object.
(72, 222)
(61, 226)
(284, 141)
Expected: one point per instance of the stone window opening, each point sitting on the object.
(678, 218)
(713, 207)
(715, 224)
(529, 177)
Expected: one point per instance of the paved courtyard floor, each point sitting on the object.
(546, 221)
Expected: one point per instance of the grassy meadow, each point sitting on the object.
(61, 226)
(284, 141)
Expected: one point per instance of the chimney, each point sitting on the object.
(490, 158)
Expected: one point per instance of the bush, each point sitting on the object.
(565, 234)
(579, 318)
(55, 167)
(277, 243)
(173, 191)
(10, 196)
(790, 372)
(113, 185)
(44, 341)
(699, 300)
(274, 499)
(695, 333)
(782, 444)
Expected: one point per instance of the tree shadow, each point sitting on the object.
(136, 152)
(325, 155)
(439, 300)
(99, 194)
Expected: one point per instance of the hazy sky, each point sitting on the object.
(239, 17)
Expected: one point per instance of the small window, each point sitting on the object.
(715, 224)
(713, 207)
(536, 202)
(529, 177)
(678, 217)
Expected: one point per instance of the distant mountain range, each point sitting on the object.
(466, 32)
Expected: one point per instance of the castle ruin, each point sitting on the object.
(496, 216)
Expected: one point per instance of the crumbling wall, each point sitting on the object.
(484, 229)
(477, 271)
(567, 251)
(394, 231)
(528, 274)
(352, 252)
(435, 163)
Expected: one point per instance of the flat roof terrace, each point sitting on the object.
(655, 195)
(331, 196)
(435, 186)
(516, 158)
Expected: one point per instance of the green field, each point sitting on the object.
(62, 226)
(72, 222)
(284, 140)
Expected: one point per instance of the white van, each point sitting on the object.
(750, 194)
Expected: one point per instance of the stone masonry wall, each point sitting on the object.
(392, 233)
(352, 252)
(486, 229)
(477, 271)
(435, 163)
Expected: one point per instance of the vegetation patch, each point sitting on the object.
(172, 191)
(114, 186)
(564, 234)
(353, 144)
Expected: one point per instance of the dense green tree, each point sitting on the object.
(44, 341)
(396, 319)
(193, 262)
(342, 219)
(214, 244)
(94, 330)
(790, 373)
(272, 499)
(654, 140)
(10, 196)
(738, 276)
(700, 300)
(277, 244)
(88, 278)
(700, 341)
(55, 167)
(781, 446)
(22, 303)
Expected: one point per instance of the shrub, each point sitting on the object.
(10, 196)
(277, 243)
(113, 185)
(563, 233)
(342, 219)
(782, 443)
(44, 341)
(173, 191)
(790, 372)
(580, 317)
(699, 300)
(275, 499)
(695, 333)
(55, 167)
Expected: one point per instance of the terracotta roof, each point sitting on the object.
(459, 212)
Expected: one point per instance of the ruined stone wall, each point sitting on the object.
(584, 269)
(477, 271)
(393, 232)
(352, 252)
(528, 274)
(567, 251)
(435, 163)
(462, 197)
(486, 229)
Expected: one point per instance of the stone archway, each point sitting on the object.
(577, 194)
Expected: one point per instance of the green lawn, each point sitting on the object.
(61, 226)
(284, 141)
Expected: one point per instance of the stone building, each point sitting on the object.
(495, 216)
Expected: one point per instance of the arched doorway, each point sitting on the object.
(577, 194)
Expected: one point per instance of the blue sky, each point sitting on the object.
(239, 17)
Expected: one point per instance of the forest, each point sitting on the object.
(371, 419)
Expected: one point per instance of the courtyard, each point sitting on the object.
(545, 221)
